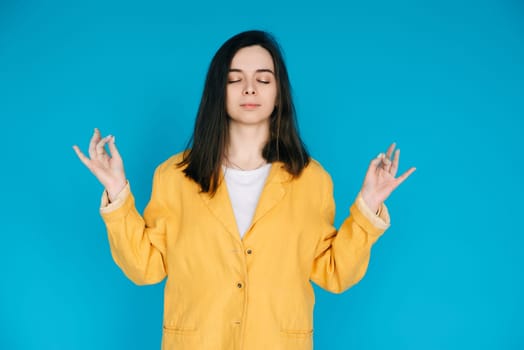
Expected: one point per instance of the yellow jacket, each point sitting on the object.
(227, 293)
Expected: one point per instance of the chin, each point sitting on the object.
(250, 121)
(250, 118)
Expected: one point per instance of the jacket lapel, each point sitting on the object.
(221, 207)
(273, 192)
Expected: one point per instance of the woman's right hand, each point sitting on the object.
(108, 168)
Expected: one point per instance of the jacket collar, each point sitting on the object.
(272, 193)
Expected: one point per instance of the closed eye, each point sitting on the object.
(263, 81)
(233, 81)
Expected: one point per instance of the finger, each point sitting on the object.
(390, 150)
(92, 144)
(100, 150)
(82, 157)
(404, 176)
(112, 148)
(394, 164)
(386, 164)
(374, 164)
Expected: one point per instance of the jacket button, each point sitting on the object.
(249, 251)
(240, 285)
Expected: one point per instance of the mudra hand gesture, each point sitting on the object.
(380, 178)
(108, 168)
(378, 184)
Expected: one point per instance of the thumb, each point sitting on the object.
(114, 151)
(375, 162)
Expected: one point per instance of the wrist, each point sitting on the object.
(114, 190)
(373, 204)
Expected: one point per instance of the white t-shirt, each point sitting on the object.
(244, 188)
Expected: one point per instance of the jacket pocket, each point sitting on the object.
(180, 338)
(297, 339)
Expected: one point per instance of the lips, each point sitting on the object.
(249, 105)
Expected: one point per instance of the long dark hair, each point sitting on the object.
(205, 152)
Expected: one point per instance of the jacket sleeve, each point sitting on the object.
(137, 243)
(341, 257)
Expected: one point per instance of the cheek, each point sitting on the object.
(230, 93)
(270, 93)
(228, 103)
(274, 96)
(233, 91)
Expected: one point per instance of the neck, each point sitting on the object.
(246, 143)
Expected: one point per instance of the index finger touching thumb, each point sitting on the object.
(112, 147)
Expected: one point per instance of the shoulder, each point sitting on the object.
(314, 171)
(170, 179)
(315, 166)
(313, 179)
(171, 164)
(313, 186)
(170, 170)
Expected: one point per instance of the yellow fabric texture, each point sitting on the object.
(223, 292)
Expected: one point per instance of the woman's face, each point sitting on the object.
(252, 88)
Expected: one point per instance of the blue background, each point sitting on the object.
(444, 79)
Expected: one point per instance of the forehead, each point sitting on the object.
(252, 58)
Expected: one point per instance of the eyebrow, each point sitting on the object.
(258, 70)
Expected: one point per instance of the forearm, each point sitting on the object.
(129, 239)
(345, 253)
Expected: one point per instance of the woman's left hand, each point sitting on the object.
(380, 178)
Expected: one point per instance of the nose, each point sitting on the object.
(249, 89)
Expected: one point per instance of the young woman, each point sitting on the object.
(242, 221)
